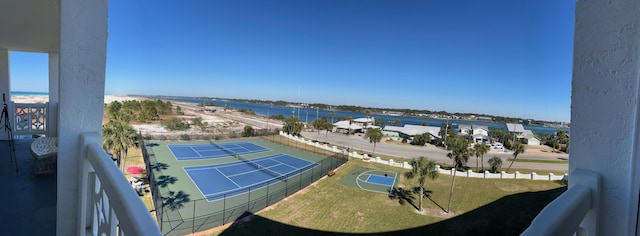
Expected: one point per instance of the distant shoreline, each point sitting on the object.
(22, 93)
(41, 97)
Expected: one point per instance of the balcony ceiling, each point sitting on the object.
(30, 25)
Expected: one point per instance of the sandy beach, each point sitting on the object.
(108, 98)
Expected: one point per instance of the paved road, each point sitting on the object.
(359, 143)
(255, 122)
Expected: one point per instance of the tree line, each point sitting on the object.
(141, 111)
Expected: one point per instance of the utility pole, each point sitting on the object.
(446, 133)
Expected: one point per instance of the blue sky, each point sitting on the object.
(508, 58)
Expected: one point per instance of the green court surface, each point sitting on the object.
(370, 180)
(181, 207)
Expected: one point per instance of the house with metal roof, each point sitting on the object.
(347, 126)
(409, 131)
(529, 138)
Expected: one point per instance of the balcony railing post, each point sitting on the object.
(87, 182)
(575, 211)
(108, 204)
(592, 181)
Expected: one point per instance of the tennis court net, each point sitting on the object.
(264, 169)
(223, 148)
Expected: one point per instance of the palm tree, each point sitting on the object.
(367, 112)
(327, 126)
(318, 124)
(554, 144)
(460, 155)
(422, 168)
(375, 135)
(495, 163)
(517, 148)
(118, 138)
(479, 149)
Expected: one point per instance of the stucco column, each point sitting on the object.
(5, 87)
(605, 108)
(54, 75)
(83, 46)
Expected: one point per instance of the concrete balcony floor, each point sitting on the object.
(28, 201)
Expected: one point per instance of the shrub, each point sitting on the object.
(248, 131)
(175, 124)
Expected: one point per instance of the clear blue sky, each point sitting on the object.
(508, 58)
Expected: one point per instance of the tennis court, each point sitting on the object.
(230, 179)
(213, 150)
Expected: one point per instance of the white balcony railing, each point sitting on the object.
(575, 211)
(29, 119)
(108, 203)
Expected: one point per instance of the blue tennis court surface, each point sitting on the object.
(216, 181)
(206, 151)
(381, 180)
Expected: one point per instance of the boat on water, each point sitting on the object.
(392, 113)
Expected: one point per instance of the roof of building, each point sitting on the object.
(345, 124)
(364, 120)
(393, 128)
(528, 134)
(413, 130)
(464, 127)
(420, 129)
(484, 127)
(518, 128)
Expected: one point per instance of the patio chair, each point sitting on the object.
(45, 151)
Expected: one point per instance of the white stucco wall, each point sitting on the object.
(83, 41)
(54, 75)
(5, 84)
(604, 112)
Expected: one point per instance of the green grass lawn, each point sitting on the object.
(134, 158)
(480, 206)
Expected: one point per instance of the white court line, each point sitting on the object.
(370, 190)
(294, 167)
(174, 155)
(394, 180)
(194, 183)
(194, 150)
(248, 187)
(227, 177)
(251, 171)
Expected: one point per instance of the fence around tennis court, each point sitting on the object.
(177, 216)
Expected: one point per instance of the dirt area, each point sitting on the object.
(220, 124)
